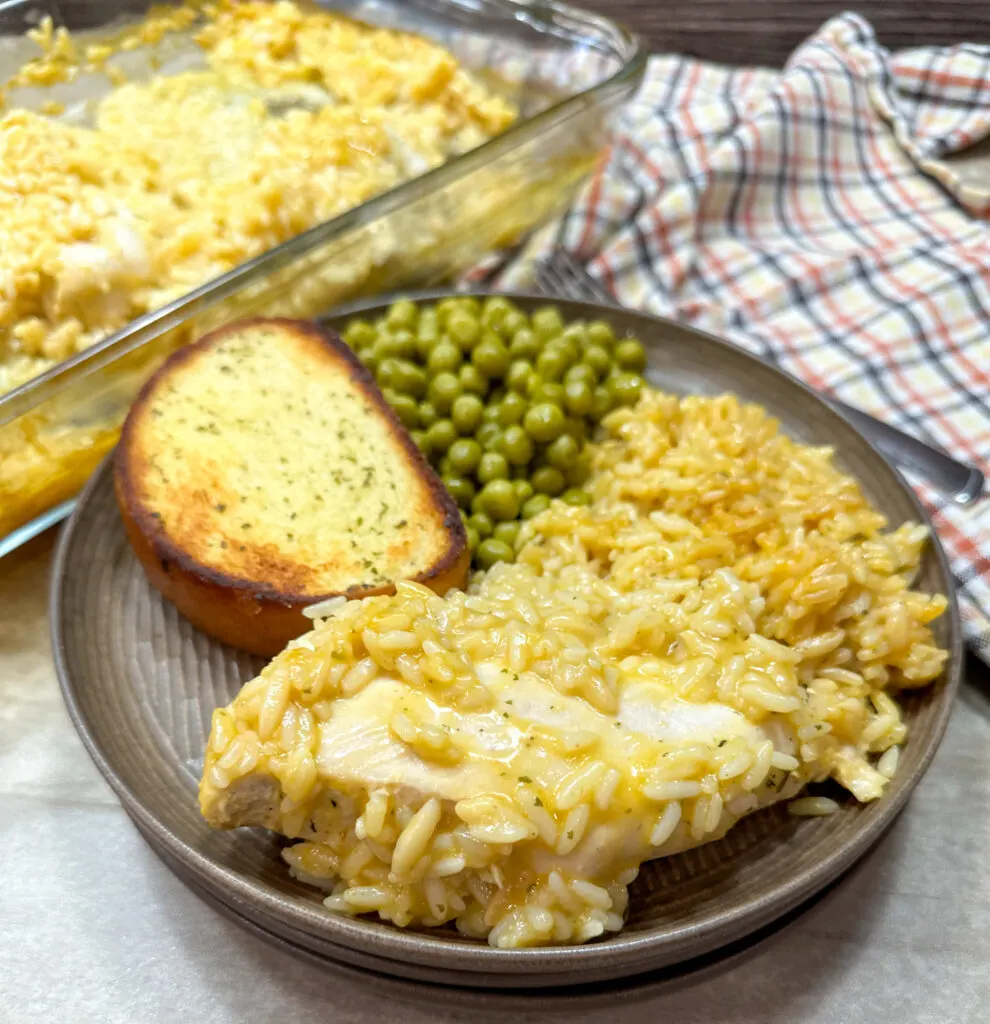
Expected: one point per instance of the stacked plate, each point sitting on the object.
(141, 685)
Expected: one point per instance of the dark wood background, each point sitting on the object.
(766, 31)
(730, 31)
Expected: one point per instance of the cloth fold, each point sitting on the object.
(820, 217)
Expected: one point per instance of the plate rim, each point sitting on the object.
(625, 953)
(685, 972)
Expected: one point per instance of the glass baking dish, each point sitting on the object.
(567, 70)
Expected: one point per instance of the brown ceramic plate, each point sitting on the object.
(141, 683)
(559, 1001)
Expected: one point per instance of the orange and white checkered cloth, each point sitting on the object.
(811, 217)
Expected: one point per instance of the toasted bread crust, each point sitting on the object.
(262, 613)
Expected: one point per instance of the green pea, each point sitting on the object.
(465, 454)
(469, 304)
(550, 391)
(428, 415)
(577, 334)
(552, 363)
(359, 334)
(575, 496)
(548, 480)
(547, 322)
(492, 414)
(382, 347)
(578, 397)
(511, 409)
(460, 489)
(535, 505)
(517, 447)
(390, 395)
(494, 442)
(570, 350)
(599, 360)
(600, 333)
(419, 439)
(441, 436)
(563, 452)
(446, 357)
(491, 356)
(507, 532)
(473, 381)
(492, 466)
(625, 388)
(409, 378)
(444, 468)
(386, 368)
(544, 423)
(524, 490)
(524, 345)
(367, 356)
(499, 500)
(514, 322)
(407, 410)
(602, 402)
(631, 355)
(464, 330)
(380, 324)
(481, 523)
(581, 372)
(425, 345)
(401, 314)
(577, 428)
(486, 433)
(444, 389)
(472, 538)
(496, 396)
(466, 412)
(494, 311)
(445, 308)
(490, 552)
(404, 345)
(578, 473)
(518, 374)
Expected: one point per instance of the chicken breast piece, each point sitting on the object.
(522, 789)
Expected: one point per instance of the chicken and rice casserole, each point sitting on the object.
(727, 621)
(296, 115)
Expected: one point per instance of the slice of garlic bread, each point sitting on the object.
(261, 471)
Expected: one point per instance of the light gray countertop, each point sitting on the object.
(94, 928)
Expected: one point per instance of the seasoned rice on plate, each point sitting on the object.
(728, 621)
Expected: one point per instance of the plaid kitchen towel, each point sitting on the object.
(811, 216)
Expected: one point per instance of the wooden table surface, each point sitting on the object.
(766, 31)
(733, 31)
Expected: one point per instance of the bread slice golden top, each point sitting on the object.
(264, 457)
